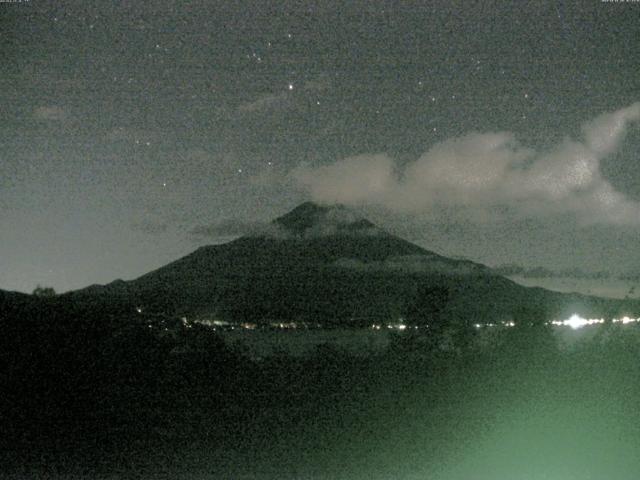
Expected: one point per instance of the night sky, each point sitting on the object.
(133, 132)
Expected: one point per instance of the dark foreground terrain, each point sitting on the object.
(120, 396)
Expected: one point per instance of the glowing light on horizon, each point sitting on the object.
(576, 321)
(624, 320)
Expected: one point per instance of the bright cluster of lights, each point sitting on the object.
(393, 326)
(625, 320)
(576, 321)
(491, 324)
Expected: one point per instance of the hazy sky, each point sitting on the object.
(133, 132)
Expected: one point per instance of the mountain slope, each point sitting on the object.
(12, 302)
(328, 265)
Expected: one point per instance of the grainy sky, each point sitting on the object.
(132, 132)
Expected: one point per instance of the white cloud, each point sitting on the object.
(604, 133)
(355, 180)
(481, 172)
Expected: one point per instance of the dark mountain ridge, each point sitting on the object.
(327, 264)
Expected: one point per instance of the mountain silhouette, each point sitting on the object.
(328, 265)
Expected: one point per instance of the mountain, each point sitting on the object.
(327, 264)
(14, 301)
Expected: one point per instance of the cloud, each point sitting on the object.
(334, 222)
(484, 173)
(225, 228)
(543, 272)
(342, 222)
(50, 113)
(270, 102)
(352, 181)
(413, 264)
(230, 228)
(604, 134)
(266, 103)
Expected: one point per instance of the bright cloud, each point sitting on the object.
(480, 172)
(355, 180)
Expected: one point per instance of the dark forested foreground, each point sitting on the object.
(85, 396)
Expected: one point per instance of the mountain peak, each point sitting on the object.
(309, 208)
(310, 217)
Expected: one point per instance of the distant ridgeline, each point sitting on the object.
(327, 265)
